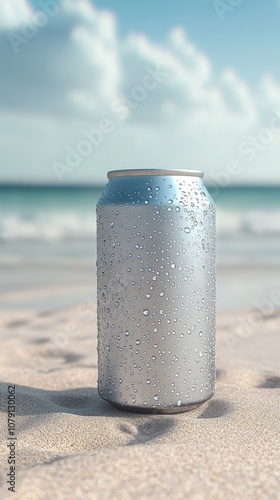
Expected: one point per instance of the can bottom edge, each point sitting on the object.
(156, 411)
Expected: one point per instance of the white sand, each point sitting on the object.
(73, 445)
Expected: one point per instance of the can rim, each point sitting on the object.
(154, 171)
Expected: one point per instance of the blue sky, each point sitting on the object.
(73, 105)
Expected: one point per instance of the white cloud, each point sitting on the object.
(269, 95)
(237, 94)
(68, 63)
(75, 71)
(196, 63)
(14, 13)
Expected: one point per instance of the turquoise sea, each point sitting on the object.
(53, 230)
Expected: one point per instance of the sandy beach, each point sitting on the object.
(72, 444)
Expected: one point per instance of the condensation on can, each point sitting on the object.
(156, 288)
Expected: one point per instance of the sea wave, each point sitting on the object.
(255, 222)
(57, 226)
(69, 225)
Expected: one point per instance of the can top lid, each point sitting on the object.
(153, 171)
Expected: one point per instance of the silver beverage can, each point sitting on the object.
(156, 290)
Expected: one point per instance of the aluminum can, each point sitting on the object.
(156, 290)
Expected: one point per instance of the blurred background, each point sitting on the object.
(87, 87)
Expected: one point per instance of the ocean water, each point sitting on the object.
(248, 220)
(54, 229)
